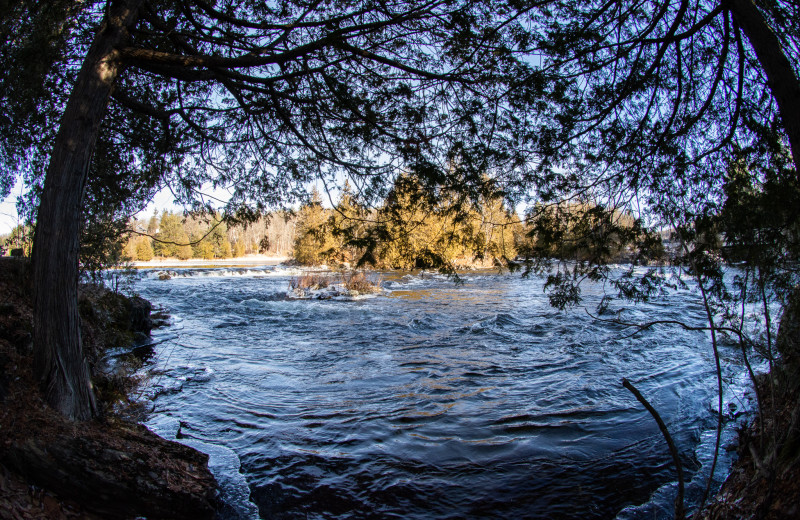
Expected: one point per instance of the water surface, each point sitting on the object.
(431, 401)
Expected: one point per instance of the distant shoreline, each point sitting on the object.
(243, 261)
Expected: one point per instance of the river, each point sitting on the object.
(432, 400)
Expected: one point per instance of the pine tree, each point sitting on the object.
(314, 242)
(144, 249)
(171, 239)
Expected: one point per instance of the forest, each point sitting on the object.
(423, 234)
(555, 138)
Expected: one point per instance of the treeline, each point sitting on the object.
(176, 236)
(411, 229)
(415, 228)
(18, 242)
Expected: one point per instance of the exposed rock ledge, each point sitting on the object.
(117, 471)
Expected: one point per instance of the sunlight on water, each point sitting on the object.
(432, 400)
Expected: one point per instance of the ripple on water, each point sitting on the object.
(433, 401)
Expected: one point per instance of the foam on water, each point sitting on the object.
(223, 463)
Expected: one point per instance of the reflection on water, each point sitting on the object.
(434, 400)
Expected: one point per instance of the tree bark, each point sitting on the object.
(781, 77)
(59, 363)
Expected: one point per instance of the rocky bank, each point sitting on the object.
(764, 483)
(110, 467)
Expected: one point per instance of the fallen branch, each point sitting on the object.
(679, 512)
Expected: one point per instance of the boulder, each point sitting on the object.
(140, 315)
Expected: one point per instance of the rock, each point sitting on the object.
(163, 275)
(140, 315)
(127, 472)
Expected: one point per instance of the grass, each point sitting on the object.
(352, 282)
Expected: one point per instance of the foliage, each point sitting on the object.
(347, 283)
(646, 105)
(144, 249)
(409, 230)
(171, 238)
(364, 97)
(211, 237)
(360, 282)
(314, 242)
(20, 238)
(418, 228)
(38, 40)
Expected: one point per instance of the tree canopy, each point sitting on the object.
(633, 105)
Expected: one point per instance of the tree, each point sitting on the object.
(144, 249)
(314, 242)
(349, 225)
(416, 228)
(20, 238)
(349, 84)
(271, 95)
(639, 107)
(650, 103)
(218, 238)
(171, 239)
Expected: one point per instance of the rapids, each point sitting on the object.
(433, 400)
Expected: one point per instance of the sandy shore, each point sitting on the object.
(244, 261)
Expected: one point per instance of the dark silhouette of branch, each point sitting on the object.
(679, 511)
(191, 243)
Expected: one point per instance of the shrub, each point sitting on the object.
(359, 281)
(309, 281)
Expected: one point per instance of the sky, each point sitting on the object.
(8, 210)
(162, 200)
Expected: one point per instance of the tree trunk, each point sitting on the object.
(781, 77)
(59, 362)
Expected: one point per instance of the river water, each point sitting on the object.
(433, 400)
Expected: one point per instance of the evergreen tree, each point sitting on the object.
(634, 99)
(349, 224)
(314, 242)
(218, 238)
(152, 225)
(171, 239)
(144, 249)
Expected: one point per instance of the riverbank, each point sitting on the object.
(758, 487)
(243, 261)
(110, 467)
(764, 483)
